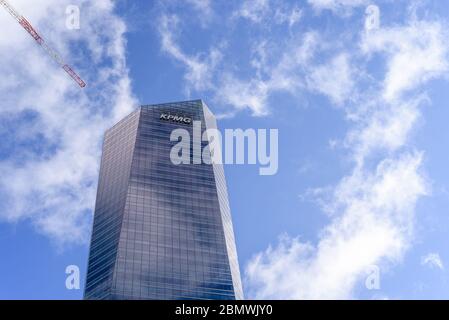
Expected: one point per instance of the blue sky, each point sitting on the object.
(361, 113)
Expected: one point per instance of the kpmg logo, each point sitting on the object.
(175, 118)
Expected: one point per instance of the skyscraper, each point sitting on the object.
(160, 230)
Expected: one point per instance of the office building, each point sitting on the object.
(160, 230)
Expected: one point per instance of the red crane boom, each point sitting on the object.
(52, 53)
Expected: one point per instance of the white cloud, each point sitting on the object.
(204, 71)
(433, 260)
(334, 79)
(384, 127)
(289, 16)
(204, 6)
(292, 72)
(336, 5)
(371, 211)
(51, 149)
(371, 222)
(258, 11)
(286, 75)
(204, 9)
(199, 69)
(240, 94)
(416, 53)
(254, 10)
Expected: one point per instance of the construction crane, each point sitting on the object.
(52, 53)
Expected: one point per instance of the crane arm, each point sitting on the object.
(52, 53)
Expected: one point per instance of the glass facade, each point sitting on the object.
(161, 231)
